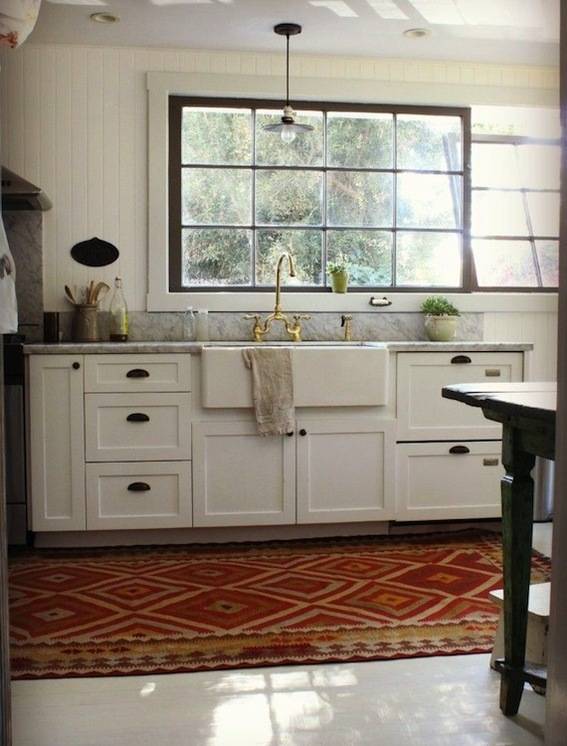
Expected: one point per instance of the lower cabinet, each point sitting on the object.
(145, 495)
(56, 438)
(241, 478)
(448, 480)
(332, 470)
(345, 470)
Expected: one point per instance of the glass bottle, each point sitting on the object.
(118, 314)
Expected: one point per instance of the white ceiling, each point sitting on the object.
(515, 31)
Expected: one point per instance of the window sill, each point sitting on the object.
(406, 302)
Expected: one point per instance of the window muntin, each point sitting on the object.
(515, 211)
(397, 213)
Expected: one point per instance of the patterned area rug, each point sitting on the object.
(171, 609)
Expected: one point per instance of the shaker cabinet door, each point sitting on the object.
(345, 470)
(56, 443)
(241, 478)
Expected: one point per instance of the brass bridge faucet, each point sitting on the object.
(262, 327)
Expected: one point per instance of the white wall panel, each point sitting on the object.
(74, 120)
(539, 329)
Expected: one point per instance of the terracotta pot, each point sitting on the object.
(339, 281)
(441, 328)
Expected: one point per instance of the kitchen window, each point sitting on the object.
(515, 211)
(385, 187)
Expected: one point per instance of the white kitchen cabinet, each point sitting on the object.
(424, 415)
(345, 470)
(126, 374)
(147, 495)
(138, 427)
(448, 480)
(56, 443)
(241, 478)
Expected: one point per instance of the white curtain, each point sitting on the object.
(17, 19)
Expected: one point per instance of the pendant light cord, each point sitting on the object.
(287, 70)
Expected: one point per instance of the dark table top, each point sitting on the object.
(526, 399)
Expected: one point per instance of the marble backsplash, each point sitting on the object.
(377, 326)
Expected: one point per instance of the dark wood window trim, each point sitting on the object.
(176, 104)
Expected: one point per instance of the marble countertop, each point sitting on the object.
(93, 348)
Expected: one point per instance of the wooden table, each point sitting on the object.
(527, 413)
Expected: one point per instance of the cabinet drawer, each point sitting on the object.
(150, 495)
(138, 427)
(438, 480)
(424, 415)
(137, 373)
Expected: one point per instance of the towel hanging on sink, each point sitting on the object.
(272, 389)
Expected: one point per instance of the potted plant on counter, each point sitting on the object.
(339, 275)
(440, 318)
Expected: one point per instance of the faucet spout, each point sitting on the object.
(291, 268)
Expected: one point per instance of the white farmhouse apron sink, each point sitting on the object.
(324, 375)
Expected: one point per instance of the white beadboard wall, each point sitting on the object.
(74, 120)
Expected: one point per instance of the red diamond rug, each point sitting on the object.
(170, 609)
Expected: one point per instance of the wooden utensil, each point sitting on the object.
(98, 289)
(69, 295)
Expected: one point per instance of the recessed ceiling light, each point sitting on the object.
(104, 17)
(417, 33)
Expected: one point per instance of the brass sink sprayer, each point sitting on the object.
(262, 327)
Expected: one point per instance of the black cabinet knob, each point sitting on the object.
(76, 366)
(290, 435)
(303, 431)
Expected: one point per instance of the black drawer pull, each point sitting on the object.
(139, 487)
(290, 435)
(459, 449)
(461, 360)
(137, 373)
(138, 417)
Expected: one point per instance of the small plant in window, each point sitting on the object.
(339, 275)
(440, 318)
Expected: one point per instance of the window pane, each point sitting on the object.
(429, 201)
(368, 253)
(504, 263)
(548, 258)
(212, 135)
(290, 197)
(216, 256)
(428, 259)
(359, 198)
(516, 120)
(360, 140)
(429, 142)
(544, 213)
(305, 247)
(212, 196)
(495, 166)
(540, 166)
(305, 150)
(498, 214)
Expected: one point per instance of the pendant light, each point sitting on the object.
(287, 128)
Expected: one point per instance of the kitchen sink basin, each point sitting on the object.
(325, 374)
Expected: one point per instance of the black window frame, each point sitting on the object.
(175, 166)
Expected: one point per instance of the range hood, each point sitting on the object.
(20, 194)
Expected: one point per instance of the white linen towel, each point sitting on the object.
(272, 389)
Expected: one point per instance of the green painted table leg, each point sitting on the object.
(517, 520)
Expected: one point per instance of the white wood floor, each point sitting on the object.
(449, 701)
